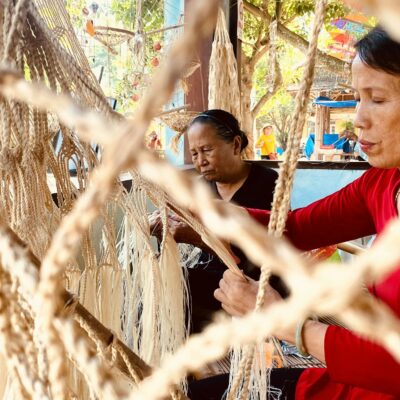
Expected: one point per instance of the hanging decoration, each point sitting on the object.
(344, 35)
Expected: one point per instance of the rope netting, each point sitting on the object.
(56, 348)
(223, 91)
(250, 377)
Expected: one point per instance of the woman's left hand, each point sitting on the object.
(238, 296)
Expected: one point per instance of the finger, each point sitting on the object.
(154, 217)
(220, 295)
(175, 217)
(230, 276)
(224, 286)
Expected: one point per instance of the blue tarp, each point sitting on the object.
(327, 139)
(337, 104)
(327, 102)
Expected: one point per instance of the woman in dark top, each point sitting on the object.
(216, 143)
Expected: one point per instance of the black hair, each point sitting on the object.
(225, 124)
(379, 51)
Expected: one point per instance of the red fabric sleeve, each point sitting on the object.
(355, 361)
(261, 216)
(342, 216)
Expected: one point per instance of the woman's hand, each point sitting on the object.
(180, 230)
(238, 296)
(155, 223)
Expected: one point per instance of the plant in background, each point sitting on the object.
(347, 126)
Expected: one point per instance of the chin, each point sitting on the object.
(209, 177)
(383, 162)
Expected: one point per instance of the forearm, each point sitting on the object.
(313, 335)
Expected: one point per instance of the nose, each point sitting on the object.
(202, 160)
(361, 119)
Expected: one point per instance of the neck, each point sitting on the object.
(228, 188)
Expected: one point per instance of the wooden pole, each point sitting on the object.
(318, 131)
(322, 124)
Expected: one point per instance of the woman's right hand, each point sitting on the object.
(180, 230)
(238, 295)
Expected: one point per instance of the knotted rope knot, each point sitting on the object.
(27, 159)
(113, 346)
(10, 158)
(53, 126)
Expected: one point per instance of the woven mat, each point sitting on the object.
(292, 359)
(223, 366)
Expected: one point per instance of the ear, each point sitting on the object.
(237, 144)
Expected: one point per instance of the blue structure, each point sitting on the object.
(327, 102)
(313, 184)
(328, 138)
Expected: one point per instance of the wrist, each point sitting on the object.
(290, 334)
(300, 338)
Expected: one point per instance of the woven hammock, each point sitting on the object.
(121, 265)
(223, 89)
(178, 121)
(110, 36)
(45, 47)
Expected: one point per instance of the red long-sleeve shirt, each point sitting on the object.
(356, 368)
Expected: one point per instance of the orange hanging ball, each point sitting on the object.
(90, 28)
(155, 62)
(157, 46)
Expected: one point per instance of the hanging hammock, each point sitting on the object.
(223, 88)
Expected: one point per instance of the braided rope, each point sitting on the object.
(281, 201)
(232, 226)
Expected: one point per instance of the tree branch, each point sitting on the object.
(331, 63)
(276, 85)
(257, 56)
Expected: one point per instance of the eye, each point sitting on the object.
(378, 101)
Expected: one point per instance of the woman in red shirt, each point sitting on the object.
(356, 368)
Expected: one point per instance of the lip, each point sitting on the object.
(208, 172)
(366, 146)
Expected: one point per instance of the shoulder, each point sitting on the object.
(260, 172)
(381, 178)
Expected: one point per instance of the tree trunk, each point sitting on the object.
(247, 115)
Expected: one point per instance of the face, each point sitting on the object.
(267, 130)
(213, 157)
(377, 114)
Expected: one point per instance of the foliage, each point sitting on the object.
(296, 16)
(116, 81)
(74, 8)
(278, 112)
(297, 8)
(124, 12)
(347, 126)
